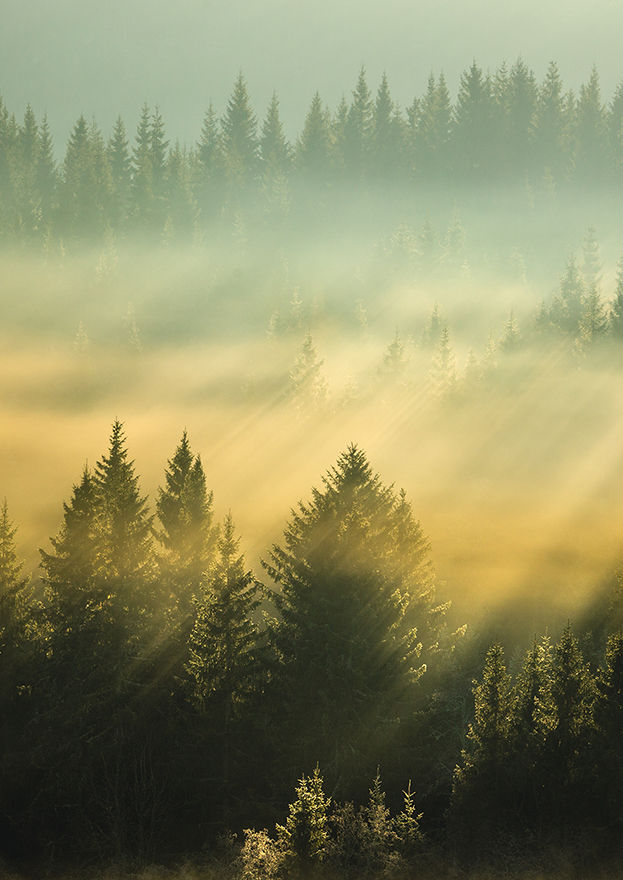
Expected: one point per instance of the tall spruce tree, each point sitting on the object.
(187, 534)
(240, 144)
(354, 595)
(359, 129)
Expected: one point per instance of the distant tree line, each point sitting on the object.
(157, 697)
(505, 129)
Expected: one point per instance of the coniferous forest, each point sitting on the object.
(335, 676)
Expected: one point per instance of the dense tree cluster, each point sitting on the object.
(145, 705)
(148, 707)
(504, 129)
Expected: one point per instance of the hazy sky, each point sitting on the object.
(105, 57)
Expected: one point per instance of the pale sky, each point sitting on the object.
(105, 57)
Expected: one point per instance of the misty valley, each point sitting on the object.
(310, 549)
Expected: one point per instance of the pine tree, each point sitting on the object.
(124, 527)
(15, 616)
(472, 128)
(47, 174)
(143, 172)
(180, 205)
(305, 834)
(480, 792)
(395, 359)
(432, 138)
(354, 578)
(511, 338)
(240, 145)
(274, 148)
(121, 171)
(308, 386)
(591, 143)
(549, 127)
(432, 332)
(187, 534)
(427, 247)
(313, 152)
(522, 104)
(567, 713)
(591, 263)
(223, 660)
(616, 309)
(383, 149)
(615, 133)
(594, 319)
(566, 310)
(454, 243)
(358, 131)
(85, 185)
(158, 152)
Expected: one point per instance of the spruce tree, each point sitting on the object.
(358, 131)
(223, 665)
(549, 155)
(143, 206)
(511, 337)
(313, 152)
(591, 136)
(616, 309)
(120, 168)
(187, 534)
(472, 127)
(354, 582)
(240, 144)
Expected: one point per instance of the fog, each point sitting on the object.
(517, 481)
(66, 57)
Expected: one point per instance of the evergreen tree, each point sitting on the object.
(124, 526)
(354, 578)
(143, 172)
(433, 130)
(566, 311)
(454, 244)
(121, 171)
(591, 262)
(472, 127)
(427, 247)
(223, 662)
(594, 319)
(208, 168)
(158, 151)
(384, 151)
(181, 207)
(308, 386)
(567, 722)
(274, 148)
(305, 833)
(511, 338)
(358, 131)
(240, 145)
(522, 104)
(591, 140)
(187, 535)
(615, 133)
(15, 614)
(549, 126)
(47, 174)
(85, 189)
(616, 309)
(313, 152)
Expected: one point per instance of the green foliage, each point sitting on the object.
(355, 580)
(304, 836)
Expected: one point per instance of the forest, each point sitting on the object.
(402, 682)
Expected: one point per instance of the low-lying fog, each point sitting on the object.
(516, 472)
